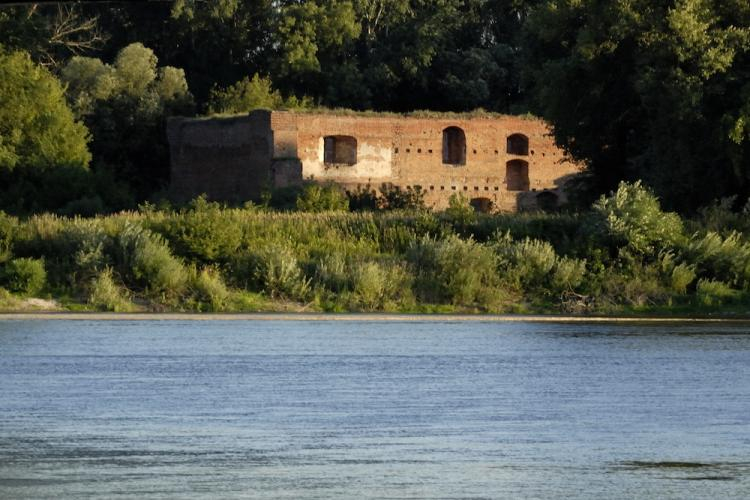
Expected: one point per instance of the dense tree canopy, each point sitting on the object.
(648, 89)
(639, 89)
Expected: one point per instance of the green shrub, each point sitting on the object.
(106, 295)
(682, 276)
(459, 212)
(394, 198)
(725, 259)
(332, 272)
(631, 217)
(204, 231)
(24, 275)
(527, 262)
(568, 274)
(370, 283)
(715, 293)
(278, 273)
(461, 272)
(322, 198)
(8, 227)
(636, 285)
(210, 290)
(147, 259)
(363, 198)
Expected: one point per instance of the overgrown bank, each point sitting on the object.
(625, 254)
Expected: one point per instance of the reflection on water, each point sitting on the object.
(170, 409)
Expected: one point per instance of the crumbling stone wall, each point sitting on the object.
(501, 163)
(227, 158)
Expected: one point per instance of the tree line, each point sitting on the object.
(645, 89)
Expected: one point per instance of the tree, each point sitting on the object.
(648, 90)
(43, 150)
(249, 94)
(125, 105)
(37, 128)
(50, 33)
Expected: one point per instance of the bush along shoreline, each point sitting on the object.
(623, 256)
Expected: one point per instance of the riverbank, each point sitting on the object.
(369, 317)
(624, 257)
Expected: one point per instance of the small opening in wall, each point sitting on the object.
(475, 151)
(432, 188)
(453, 188)
(429, 151)
(532, 152)
(518, 144)
(517, 175)
(395, 150)
(466, 188)
(442, 188)
(340, 150)
(543, 154)
(454, 146)
(419, 150)
(497, 188)
(486, 188)
(497, 152)
(476, 188)
(408, 150)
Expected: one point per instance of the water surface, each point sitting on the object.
(259, 409)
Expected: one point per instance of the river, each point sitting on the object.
(348, 409)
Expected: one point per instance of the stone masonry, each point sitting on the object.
(497, 162)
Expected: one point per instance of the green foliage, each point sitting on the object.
(534, 265)
(394, 198)
(146, 257)
(632, 218)
(322, 198)
(203, 231)
(376, 286)
(37, 128)
(461, 272)
(363, 198)
(125, 106)
(249, 94)
(24, 275)
(726, 259)
(107, 295)
(647, 89)
(459, 211)
(715, 293)
(8, 228)
(278, 273)
(210, 291)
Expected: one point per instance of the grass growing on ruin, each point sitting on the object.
(624, 255)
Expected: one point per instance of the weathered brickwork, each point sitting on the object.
(503, 163)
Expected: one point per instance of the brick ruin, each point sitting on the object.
(497, 162)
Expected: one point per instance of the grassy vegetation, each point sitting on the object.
(625, 255)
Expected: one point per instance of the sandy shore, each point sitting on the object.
(482, 318)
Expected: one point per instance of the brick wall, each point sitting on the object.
(226, 158)
(235, 158)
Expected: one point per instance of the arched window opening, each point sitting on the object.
(454, 146)
(518, 144)
(547, 201)
(340, 150)
(517, 175)
(483, 205)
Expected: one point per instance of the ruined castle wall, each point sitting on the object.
(374, 148)
(227, 158)
(502, 162)
(408, 151)
(486, 173)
